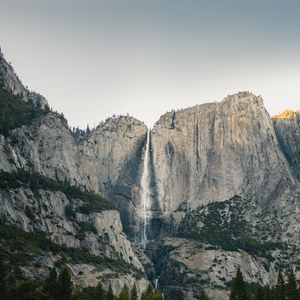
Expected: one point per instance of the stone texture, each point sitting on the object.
(214, 151)
(199, 156)
(287, 128)
(11, 82)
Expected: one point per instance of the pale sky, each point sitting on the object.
(92, 59)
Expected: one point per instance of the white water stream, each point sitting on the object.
(145, 192)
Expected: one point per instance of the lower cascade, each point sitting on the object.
(145, 193)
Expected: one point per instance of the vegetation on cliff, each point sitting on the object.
(14, 112)
(59, 286)
(34, 181)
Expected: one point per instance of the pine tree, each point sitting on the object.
(238, 289)
(65, 285)
(280, 287)
(133, 293)
(148, 293)
(179, 295)
(123, 294)
(100, 292)
(110, 295)
(51, 284)
(259, 293)
(291, 287)
(3, 277)
(269, 293)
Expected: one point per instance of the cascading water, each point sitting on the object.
(145, 193)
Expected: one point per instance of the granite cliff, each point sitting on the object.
(224, 190)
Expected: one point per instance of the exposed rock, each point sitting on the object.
(214, 151)
(288, 133)
(286, 114)
(88, 275)
(224, 186)
(11, 82)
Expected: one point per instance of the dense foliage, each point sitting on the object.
(20, 248)
(14, 112)
(230, 232)
(35, 181)
(60, 287)
(286, 288)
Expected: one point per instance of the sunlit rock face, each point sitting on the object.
(214, 151)
(287, 128)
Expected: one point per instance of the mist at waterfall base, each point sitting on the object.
(145, 193)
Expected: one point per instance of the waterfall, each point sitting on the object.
(145, 193)
(156, 283)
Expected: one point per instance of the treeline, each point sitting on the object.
(35, 181)
(286, 288)
(60, 287)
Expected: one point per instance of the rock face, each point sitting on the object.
(107, 249)
(107, 160)
(224, 191)
(11, 82)
(104, 161)
(211, 152)
(287, 128)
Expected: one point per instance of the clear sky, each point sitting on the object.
(92, 59)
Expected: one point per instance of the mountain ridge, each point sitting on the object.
(214, 169)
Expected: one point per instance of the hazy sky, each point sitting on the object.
(92, 59)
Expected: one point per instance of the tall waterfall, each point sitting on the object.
(145, 193)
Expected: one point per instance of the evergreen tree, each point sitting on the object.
(238, 289)
(3, 277)
(133, 293)
(26, 290)
(110, 294)
(280, 287)
(269, 293)
(156, 296)
(100, 292)
(259, 293)
(148, 293)
(65, 285)
(179, 295)
(51, 284)
(291, 287)
(123, 294)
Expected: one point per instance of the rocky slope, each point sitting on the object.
(215, 151)
(287, 127)
(50, 152)
(224, 192)
(11, 82)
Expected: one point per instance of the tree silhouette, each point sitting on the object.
(238, 289)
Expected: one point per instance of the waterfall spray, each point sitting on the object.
(145, 192)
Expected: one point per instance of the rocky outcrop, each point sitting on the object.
(193, 267)
(11, 82)
(287, 127)
(211, 152)
(106, 161)
(224, 191)
(103, 250)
